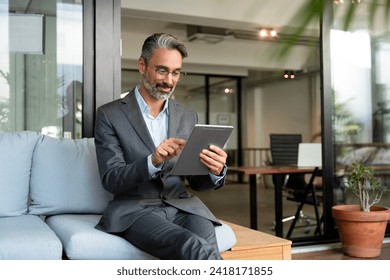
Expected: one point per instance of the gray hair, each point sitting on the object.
(162, 41)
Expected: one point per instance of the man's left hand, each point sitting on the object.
(214, 158)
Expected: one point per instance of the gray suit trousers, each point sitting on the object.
(170, 234)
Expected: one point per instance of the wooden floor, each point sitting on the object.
(337, 254)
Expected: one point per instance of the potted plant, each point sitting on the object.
(362, 226)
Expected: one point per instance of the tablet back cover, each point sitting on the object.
(201, 137)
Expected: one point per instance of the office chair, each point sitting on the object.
(309, 155)
(284, 151)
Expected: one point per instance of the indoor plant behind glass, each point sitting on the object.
(362, 226)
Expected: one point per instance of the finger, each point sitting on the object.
(214, 168)
(174, 148)
(216, 157)
(218, 150)
(179, 142)
(160, 153)
(174, 143)
(212, 159)
(168, 149)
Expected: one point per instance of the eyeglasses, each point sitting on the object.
(161, 73)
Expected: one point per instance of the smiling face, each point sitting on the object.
(161, 74)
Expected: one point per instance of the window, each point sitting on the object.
(41, 72)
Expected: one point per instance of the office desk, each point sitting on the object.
(280, 172)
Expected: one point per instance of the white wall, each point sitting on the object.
(226, 55)
(287, 106)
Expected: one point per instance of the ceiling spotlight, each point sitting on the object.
(263, 33)
(337, 2)
(289, 74)
(228, 90)
(268, 33)
(273, 33)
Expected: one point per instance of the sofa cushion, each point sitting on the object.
(82, 241)
(65, 178)
(28, 237)
(16, 150)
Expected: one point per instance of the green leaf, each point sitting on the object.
(349, 15)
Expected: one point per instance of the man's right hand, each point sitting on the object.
(168, 149)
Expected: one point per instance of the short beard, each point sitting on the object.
(153, 91)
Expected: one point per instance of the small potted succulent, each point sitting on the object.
(362, 226)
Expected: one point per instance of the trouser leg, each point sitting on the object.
(168, 234)
(200, 226)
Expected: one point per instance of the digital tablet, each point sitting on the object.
(201, 137)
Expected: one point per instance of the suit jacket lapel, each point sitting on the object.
(174, 119)
(133, 114)
(173, 129)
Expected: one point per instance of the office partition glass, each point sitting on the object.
(41, 67)
(360, 57)
(191, 93)
(223, 93)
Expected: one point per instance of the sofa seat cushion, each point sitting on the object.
(16, 150)
(28, 237)
(65, 178)
(82, 241)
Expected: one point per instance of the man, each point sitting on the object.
(137, 138)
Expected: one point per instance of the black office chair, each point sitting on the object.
(284, 151)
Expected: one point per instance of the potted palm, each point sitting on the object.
(362, 226)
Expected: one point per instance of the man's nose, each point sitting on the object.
(169, 78)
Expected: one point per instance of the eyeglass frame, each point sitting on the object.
(175, 76)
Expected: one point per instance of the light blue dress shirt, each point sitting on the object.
(158, 129)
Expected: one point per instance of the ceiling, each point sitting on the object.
(232, 14)
(222, 34)
(225, 37)
(46, 7)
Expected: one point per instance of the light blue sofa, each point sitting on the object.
(51, 198)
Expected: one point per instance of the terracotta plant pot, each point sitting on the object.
(361, 233)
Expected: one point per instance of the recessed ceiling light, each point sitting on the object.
(263, 33)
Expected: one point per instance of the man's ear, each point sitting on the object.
(141, 65)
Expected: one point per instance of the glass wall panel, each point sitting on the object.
(130, 78)
(191, 92)
(41, 66)
(223, 110)
(360, 57)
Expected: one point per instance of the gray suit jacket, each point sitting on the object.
(123, 144)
